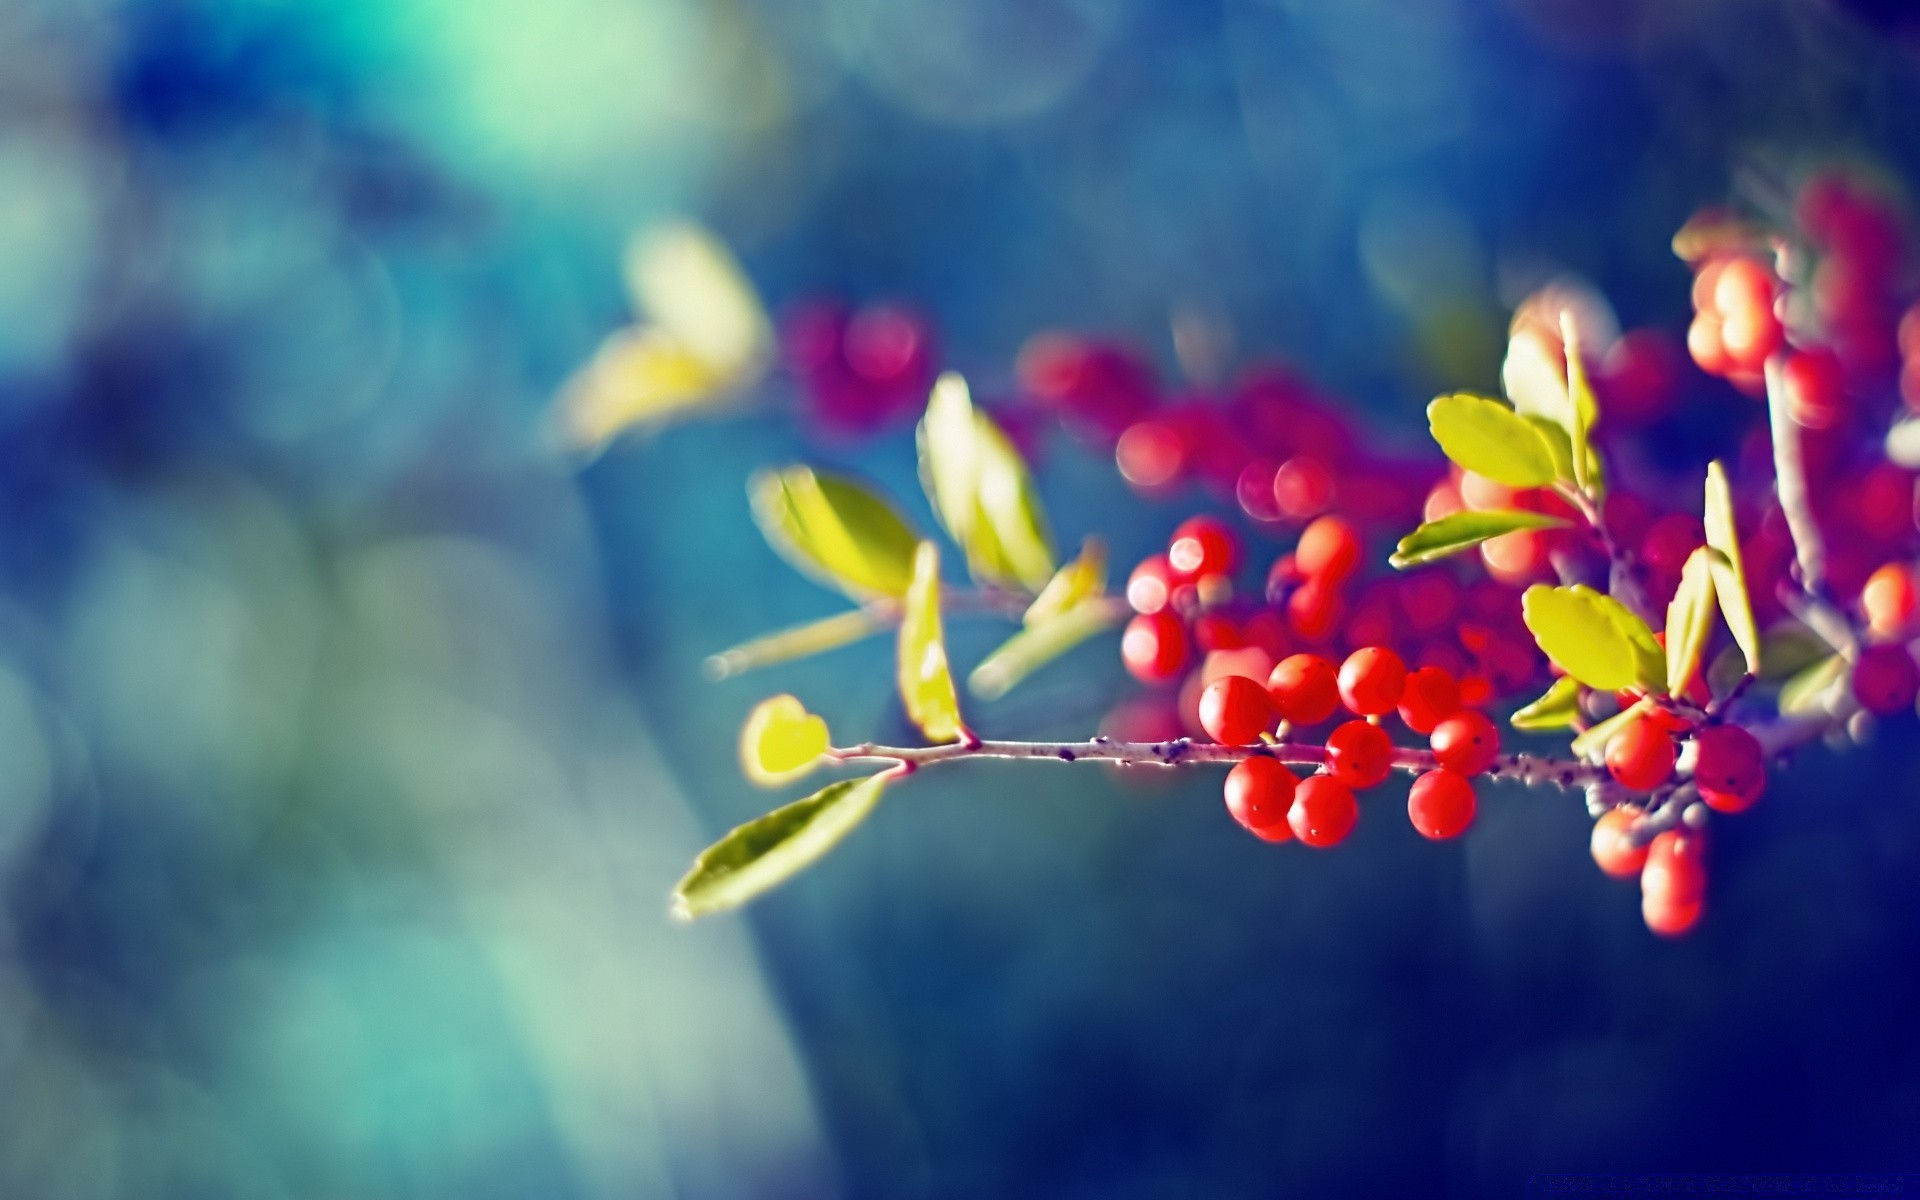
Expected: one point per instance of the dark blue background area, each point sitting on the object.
(374, 731)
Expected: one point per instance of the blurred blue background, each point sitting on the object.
(351, 737)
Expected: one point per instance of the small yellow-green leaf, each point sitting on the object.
(781, 741)
(769, 850)
(1486, 437)
(1084, 577)
(799, 641)
(926, 680)
(1811, 687)
(688, 283)
(1729, 572)
(1583, 411)
(639, 377)
(1593, 637)
(1463, 531)
(1594, 740)
(1690, 618)
(1557, 708)
(834, 530)
(1036, 645)
(981, 490)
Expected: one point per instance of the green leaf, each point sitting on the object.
(834, 530)
(1490, 439)
(981, 491)
(1690, 618)
(799, 641)
(781, 741)
(1595, 739)
(1081, 579)
(1594, 638)
(1557, 708)
(1729, 572)
(1039, 644)
(1582, 411)
(1463, 531)
(769, 850)
(926, 680)
(1811, 687)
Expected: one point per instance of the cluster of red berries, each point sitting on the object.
(1270, 441)
(859, 368)
(1857, 237)
(1372, 683)
(1672, 869)
(1729, 767)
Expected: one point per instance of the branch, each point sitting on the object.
(1790, 475)
(1531, 769)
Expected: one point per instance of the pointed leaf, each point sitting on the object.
(781, 741)
(1557, 708)
(834, 530)
(1811, 688)
(926, 681)
(981, 490)
(1690, 619)
(1594, 638)
(639, 377)
(1485, 436)
(1039, 644)
(771, 849)
(688, 283)
(1729, 572)
(1582, 411)
(799, 641)
(1084, 577)
(1463, 531)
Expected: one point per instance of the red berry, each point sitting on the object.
(1677, 868)
(1323, 811)
(1705, 346)
(1371, 681)
(1314, 609)
(1329, 549)
(1743, 285)
(1150, 587)
(1641, 755)
(1259, 793)
(1430, 697)
(1440, 804)
(1612, 845)
(1729, 767)
(1203, 546)
(1667, 916)
(1216, 631)
(1888, 600)
(1812, 385)
(1302, 487)
(1466, 742)
(1154, 647)
(1885, 679)
(1750, 336)
(1150, 454)
(1304, 689)
(1359, 754)
(1235, 711)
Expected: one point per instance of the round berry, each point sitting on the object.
(1371, 681)
(1314, 609)
(1750, 336)
(1669, 917)
(1430, 697)
(1323, 811)
(1304, 689)
(1705, 347)
(1359, 754)
(1203, 546)
(1885, 679)
(1641, 755)
(1440, 804)
(1154, 647)
(1743, 285)
(1329, 549)
(1729, 767)
(1150, 587)
(1613, 846)
(1811, 383)
(1889, 600)
(1466, 742)
(1676, 870)
(1259, 792)
(1235, 711)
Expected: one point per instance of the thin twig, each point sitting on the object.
(1790, 477)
